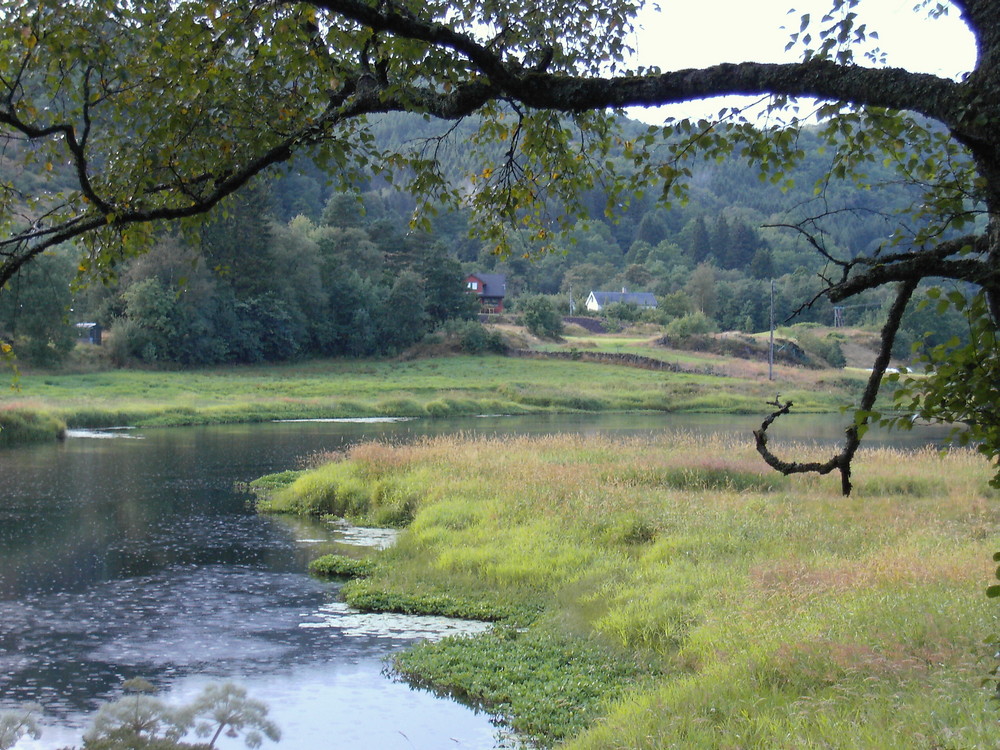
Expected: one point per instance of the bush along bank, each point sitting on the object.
(670, 592)
(18, 427)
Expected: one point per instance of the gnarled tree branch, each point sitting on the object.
(842, 460)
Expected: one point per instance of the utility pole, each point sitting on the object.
(770, 348)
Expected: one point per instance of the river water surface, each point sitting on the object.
(130, 554)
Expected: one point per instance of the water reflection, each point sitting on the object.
(360, 709)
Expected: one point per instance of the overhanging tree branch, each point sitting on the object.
(344, 105)
(936, 262)
(893, 88)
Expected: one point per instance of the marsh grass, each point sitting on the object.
(341, 566)
(726, 606)
(19, 426)
(337, 489)
(266, 485)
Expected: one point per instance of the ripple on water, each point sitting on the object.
(351, 622)
(363, 536)
(181, 620)
(107, 433)
(352, 420)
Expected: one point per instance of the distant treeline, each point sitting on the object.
(297, 266)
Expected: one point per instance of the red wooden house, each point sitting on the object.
(490, 288)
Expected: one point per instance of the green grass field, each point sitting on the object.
(447, 386)
(672, 593)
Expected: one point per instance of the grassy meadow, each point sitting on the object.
(671, 592)
(445, 386)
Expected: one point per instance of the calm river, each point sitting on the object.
(129, 553)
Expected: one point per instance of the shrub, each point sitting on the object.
(19, 723)
(46, 351)
(540, 317)
(827, 349)
(624, 311)
(472, 337)
(691, 324)
(142, 722)
(121, 341)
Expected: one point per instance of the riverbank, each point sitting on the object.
(19, 426)
(671, 592)
(433, 387)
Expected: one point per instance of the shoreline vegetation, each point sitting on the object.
(671, 592)
(20, 426)
(44, 405)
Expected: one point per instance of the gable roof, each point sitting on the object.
(642, 299)
(493, 284)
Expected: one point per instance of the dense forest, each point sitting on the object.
(298, 265)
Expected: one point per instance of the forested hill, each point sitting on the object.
(730, 190)
(645, 246)
(296, 266)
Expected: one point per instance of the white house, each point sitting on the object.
(597, 301)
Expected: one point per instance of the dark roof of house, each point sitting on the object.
(494, 284)
(642, 299)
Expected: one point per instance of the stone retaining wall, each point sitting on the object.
(628, 360)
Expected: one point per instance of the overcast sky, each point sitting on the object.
(686, 34)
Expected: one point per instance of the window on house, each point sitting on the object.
(473, 285)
